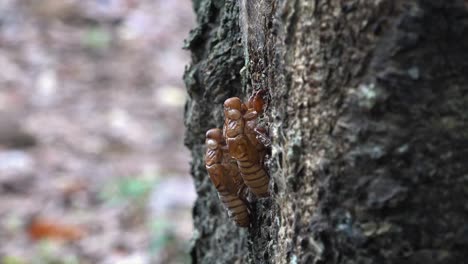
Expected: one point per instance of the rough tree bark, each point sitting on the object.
(368, 116)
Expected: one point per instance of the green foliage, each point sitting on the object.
(161, 235)
(12, 260)
(97, 38)
(49, 253)
(163, 239)
(130, 189)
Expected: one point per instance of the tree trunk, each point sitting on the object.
(368, 117)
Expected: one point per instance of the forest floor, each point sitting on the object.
(92, 163)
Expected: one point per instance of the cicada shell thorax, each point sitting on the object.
(224, 174)
(257, 135)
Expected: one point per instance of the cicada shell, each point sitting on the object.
(243, 145)
(226, 177)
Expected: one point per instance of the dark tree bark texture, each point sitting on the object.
(368, 117)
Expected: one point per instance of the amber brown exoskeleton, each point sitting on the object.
(226, 177)
(243, 144)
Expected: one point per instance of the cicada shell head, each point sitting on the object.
(214, 138)
(214, 141)
(256, 101)
(233, 103)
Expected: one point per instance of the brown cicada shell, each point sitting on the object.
(226, 177)
(241, 136)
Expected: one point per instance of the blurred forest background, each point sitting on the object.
(92, 163)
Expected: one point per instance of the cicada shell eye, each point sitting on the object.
(234, 114)
(211, 144)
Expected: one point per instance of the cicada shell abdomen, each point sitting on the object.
(243, 149)
(225, 176)
(248, 161)
(236, 207)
